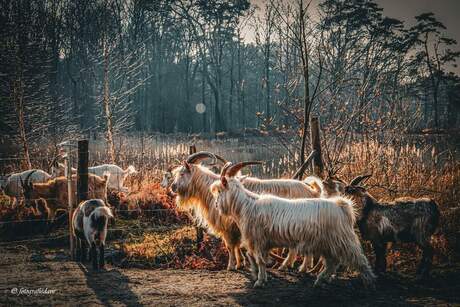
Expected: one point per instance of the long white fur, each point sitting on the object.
(200, 198)
(196, 195)
(288, 188)
(321, 227)
(13, 188)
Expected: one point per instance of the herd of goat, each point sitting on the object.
(311, 218)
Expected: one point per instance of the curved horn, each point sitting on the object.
(220, 158)
(235, 168)
(196, 157)
(53, 162)
(223, 172)
(26, 183)
(359, 179)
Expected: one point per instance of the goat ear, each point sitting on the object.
(187, 166)
(224, 181)
(358, 179)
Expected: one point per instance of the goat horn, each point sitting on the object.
(196, 157)
(225, 168)
(359, 178)
(220, 158)
(54, 161)
(26, 181)
(235, 168)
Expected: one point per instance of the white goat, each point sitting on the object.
(13, 186)
(89, 223)
(117, 174)
(191, 184)
(321, 227)
(286, 188)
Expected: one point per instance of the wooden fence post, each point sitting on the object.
(318, 166)
(199, 230)
(82, 171)
(68, 174)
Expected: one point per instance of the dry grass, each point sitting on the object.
(399, 169)
(176, 248)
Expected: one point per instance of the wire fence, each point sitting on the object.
(64, 236)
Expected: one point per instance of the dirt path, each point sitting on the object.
(23, 269)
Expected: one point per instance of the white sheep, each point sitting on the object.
(13, 187)
(320, 227)
(89, 223)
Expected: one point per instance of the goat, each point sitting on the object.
(117, 174)
(89, 223)
(403, 220)
(321, 227)
(191, 185)
(13, 187)
(286, 188)
(54, 192)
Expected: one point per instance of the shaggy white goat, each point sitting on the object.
(320, 227)
(89, 223)
(286, 188)
(191, 184)
(117, 174)
(13, 186)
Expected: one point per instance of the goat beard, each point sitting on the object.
(185, 203)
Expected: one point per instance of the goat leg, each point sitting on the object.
(94, 256)
(101, 256)
(77, 250)
(380, 257)
(424, 267)
(83, 251)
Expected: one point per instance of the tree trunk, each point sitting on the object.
(306, 73)
(18, 96)
(107, 111)
(232, 85)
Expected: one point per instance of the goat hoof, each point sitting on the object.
(258, 284)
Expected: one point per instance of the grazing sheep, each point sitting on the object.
(403, 220)
(89, 223)
(54, 192)
(13, 187)
(320, 227)
(117, 174)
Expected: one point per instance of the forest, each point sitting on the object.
(217, 66)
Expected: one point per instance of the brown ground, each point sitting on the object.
(24, 267)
